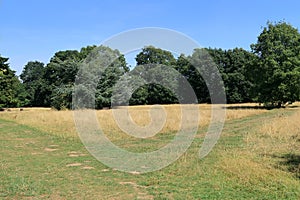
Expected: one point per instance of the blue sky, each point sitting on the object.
(35, 30)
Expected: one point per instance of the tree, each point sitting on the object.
(59, 77)
(152, 55)
(85, 51)
(97, 75)
(109, 77)
(233, 66)
(152, 61)
(9, 86)
(59, 73)
(62, 97)
(203, 61)
(31, 77)
(184, 67)
(160, 84)
(276, 73)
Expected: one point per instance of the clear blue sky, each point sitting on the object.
(36, 29)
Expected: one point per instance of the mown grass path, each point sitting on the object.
(37, 165)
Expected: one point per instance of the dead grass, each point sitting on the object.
(268, 148)
(234, 170)
(281, 135)
(62, 123)
(246, 170)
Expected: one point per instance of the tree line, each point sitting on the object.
(269, 74)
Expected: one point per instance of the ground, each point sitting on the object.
(257, 157)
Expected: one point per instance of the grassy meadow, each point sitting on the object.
(257, 157)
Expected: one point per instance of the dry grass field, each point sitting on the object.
(61, 123)
(256, 157)
(270, 153)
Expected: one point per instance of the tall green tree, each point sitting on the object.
(203, 61)
(152, 55)
(109, 77)
(60, 73)
(233, 65)
(153, 61)
(31, 77)
(10, 86)
(85, 51)
(59, 77)
(193, 76)
(276, 73)
(96, 77)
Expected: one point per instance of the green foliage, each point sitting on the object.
(152, 55)
(85, 51)
(31, 77)
(59, 73)
(114, 65)
(97, 75)
(203, 61)
(269, 74)
(108, 79)
(62, 97)
(276, 73)
(59, 77)
(155, 66)
(10, 86)
(160, 86)
(193, 76)
(233, 65)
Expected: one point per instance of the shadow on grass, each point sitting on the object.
(293, 106)
(292, 161)
(259, 107)
(247, 107)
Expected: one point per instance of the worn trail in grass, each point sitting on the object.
(37, 165)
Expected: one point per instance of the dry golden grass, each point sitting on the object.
(62, 122)
(245, 169)
(277, 136)
(264, 155)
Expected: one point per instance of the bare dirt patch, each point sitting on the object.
(88, 167)
(50, 149)
(135, 173)
(74, 165)
(36, 153)
(75, 154)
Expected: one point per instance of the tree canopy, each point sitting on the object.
(276, 73)
(269, 74)
(11, 91)
(32, 79)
